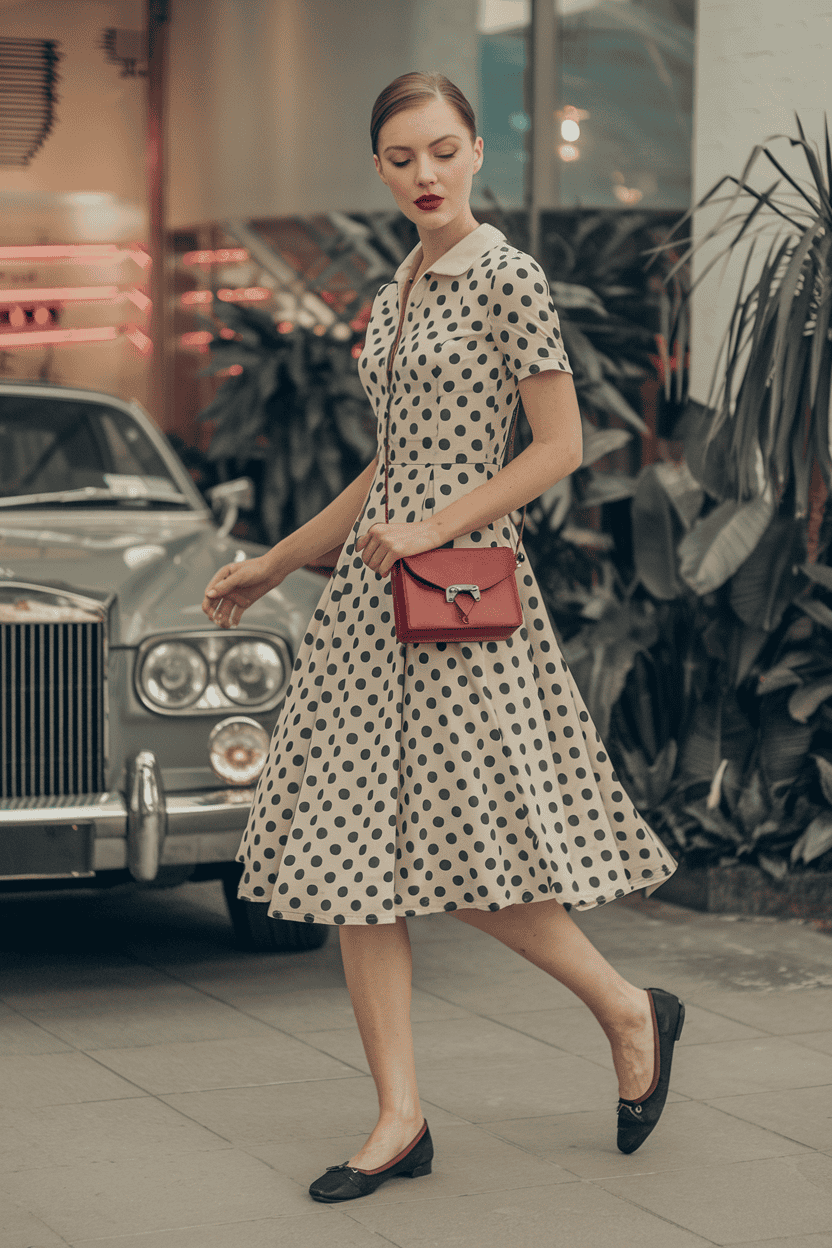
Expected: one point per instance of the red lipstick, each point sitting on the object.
(429, 202)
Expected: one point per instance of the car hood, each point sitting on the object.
(151, 567)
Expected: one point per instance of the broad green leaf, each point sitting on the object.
(654, 537)
(600, 442)
(825, 773)
(706, 455)
(682, 488)
(777, 678)
(717, 546)
(817, 611)
(805, 701)
(714, 821)
(752, 807)
(765, 584)
(783, 746)
(818, 572)
(816, 840)
(777, 868)
(606, 487)
(650, 781)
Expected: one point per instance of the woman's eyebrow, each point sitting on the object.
(399, 147)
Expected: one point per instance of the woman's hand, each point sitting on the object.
(234, 588)
(383, 544)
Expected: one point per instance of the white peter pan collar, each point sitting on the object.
(459, 258)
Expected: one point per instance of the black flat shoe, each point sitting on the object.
(636, 1119)
(347, 1183)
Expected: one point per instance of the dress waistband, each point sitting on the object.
(407, 458)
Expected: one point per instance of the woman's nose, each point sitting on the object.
(425, 173)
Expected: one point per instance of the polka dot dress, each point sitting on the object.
(410, 779)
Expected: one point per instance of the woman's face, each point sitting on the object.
(427, 158)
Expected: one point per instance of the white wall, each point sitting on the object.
(758, 62)
(269, 100)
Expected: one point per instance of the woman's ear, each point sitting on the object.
(377, 164)
(477, 154)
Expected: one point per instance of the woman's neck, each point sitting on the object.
(436, 242)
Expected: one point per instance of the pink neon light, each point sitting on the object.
(247, 294)
(227, 255)
(233, 370)
(191, 297)
(34, 338)
(198, 339)
(138, 338)
(139, 298)
(59, 294)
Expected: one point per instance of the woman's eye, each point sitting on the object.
(400, 164)
(446, 155)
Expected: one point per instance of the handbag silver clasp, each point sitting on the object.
(452, 591)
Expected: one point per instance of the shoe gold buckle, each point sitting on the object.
(452, 591)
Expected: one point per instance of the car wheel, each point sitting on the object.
(259, 933)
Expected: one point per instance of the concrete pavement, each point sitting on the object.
(162, 1090)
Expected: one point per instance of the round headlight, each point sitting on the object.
(250, 672)
(173, 674)
(237, 748)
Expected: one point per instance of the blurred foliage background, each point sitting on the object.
(685, 564)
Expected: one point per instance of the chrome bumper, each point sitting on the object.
(147, 830)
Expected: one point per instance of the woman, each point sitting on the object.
(406, 780)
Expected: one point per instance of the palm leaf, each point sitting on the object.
(654, 537)
(765, 584)
(717, 546)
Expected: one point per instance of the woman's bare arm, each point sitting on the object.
(237, 585)
(551, 407)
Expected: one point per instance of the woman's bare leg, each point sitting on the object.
(543, 932)
(378, 966)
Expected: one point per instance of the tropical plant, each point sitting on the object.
(719, 719)
(295, 418)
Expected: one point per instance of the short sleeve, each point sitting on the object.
(524, 322)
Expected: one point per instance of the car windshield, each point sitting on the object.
(79, 451)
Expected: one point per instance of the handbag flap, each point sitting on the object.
(441, 568)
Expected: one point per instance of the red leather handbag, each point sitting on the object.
(463, 594)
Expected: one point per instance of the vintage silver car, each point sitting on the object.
(132, 731)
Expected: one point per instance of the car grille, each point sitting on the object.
(51, 709)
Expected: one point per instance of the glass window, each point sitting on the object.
(50, 445)
(626, 102)
(504, 121)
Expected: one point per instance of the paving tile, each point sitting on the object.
(110, 1026)
(820, 1041)
(567, 1030)
(735, 1067)
(153, 1194)
(445, 1045)
(59, 1135)
(578, 1214)
(197, 1065)
(733, 1204)
(329, 1228)
(316, 1110)
(20, 1229)
(779, 1013)
(559, 1085)
(326, 1009)
(804, 1114)
(47, 984)
(791, 1241)
(523, 989)
(467, 1159)
(58, 1079)
(689, 1134)
(18, 1035)
(464, 957)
